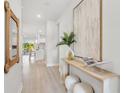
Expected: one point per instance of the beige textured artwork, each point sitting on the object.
(87, 29)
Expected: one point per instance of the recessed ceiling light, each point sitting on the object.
(38, 16)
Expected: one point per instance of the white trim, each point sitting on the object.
(20, 88)
(50, 65)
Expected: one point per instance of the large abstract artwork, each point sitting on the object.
(88, 29)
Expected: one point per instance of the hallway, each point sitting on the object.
(37, 78)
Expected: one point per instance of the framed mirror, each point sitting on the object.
(11, 38)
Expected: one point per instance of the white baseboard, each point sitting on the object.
(20, 88)
(50, 65)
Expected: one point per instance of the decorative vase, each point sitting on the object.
(70, 54)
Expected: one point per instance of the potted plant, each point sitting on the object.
(28, 47)
(68, 39)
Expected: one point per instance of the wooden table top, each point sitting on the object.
(94, 71)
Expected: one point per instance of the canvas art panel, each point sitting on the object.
(88, 29)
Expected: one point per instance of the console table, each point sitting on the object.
(101, 80)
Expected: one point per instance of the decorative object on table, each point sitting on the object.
(68, 39)
(88, 29)
(11, 37)
(89, 61)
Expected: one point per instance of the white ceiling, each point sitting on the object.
(48, 9)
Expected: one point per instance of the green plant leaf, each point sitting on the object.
(61, 43)
(71, 36)
(65, 35)
(67, 39)
(28, 46)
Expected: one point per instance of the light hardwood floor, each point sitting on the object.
(37, 78)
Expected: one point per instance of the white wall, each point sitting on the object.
(111, 34)
(30, 30)
(51, 42)
(111, 47)
(13, 79)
